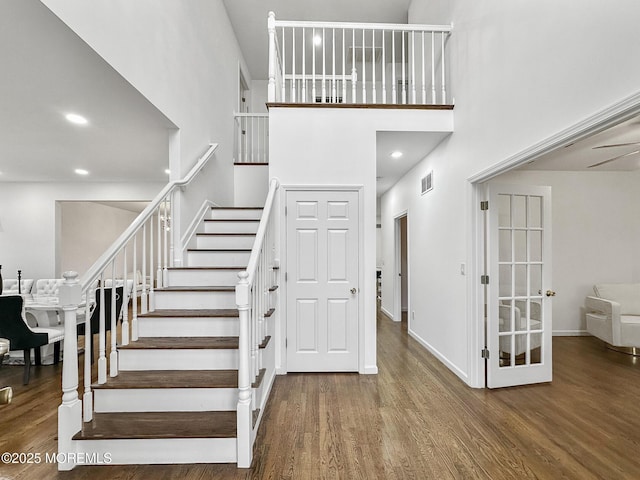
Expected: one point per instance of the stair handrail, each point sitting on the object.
(252, 299)
(262, 230)
(103, 261)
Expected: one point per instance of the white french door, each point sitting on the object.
(519, 291)
(322, 235)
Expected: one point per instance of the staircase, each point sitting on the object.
(176, 395)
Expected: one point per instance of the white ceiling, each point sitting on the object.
(47, 71)
(586, 154)
(414, 147)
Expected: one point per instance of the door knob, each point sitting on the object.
(354, 290)
(551, 293)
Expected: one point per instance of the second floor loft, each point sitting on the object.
(358, 63)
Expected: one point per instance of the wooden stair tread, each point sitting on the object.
(182, 343)
(171, 379)
(225, 288)
(265, 342)
(206, 268)
(222, 234)
(259, 378)
(236, 208)
(159, 425)
(200, 313)
(270, 312)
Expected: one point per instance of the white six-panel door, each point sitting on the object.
(519, 292)
(322, 235)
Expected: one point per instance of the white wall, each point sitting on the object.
(596, 233)
(251, 185)
(521, 73)
(338, 146)
(87, 229)
(184, 58)
(28, 232)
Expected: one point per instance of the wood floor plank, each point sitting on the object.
(414, 420)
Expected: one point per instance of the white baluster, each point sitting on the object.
(304, 66)
(404, 78)
(434, 101)
(422, 62)
(444, 90)
(384, 65)
(102, 337)
(324, 68)
(364, 71)
(173, 217)
(143, 297)
(244, 413)
(284, 67)
(87, 398)
(271, 87)
(354, 72)
(333, 58)
(413, 67)
(152, 294)
(159, 279)
(166, 230)
(134, 312)
(344, 71)
(394, 94)
(293, 65)
(125, 301)
(113, 357)
(313, 67)
(70, 410)
(373, 67)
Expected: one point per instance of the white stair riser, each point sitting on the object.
(230, 227)
(188, 327)
(192, 278)
(157, 451)
(206, 258)
(225, 241)
(178, 359)
(165, 399)
(194, 300)
(236, 213)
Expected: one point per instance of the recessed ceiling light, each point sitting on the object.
(317, 40)
(77, 119)
(167, 171)
(396, 154)
(81, 171)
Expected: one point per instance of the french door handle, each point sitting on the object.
(550, 293)
(354, 290)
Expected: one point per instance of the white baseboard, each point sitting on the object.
(570, 333)
(387, 313)
(370, 370)
(462, 375)
(197, 220)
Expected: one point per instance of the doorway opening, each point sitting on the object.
(401, 296)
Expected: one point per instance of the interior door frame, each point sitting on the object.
(611, 115)
(284, 190)
(397, 279)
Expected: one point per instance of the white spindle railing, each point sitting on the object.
(103, 277)
(314, 62)
(252, 137)
(252, 298)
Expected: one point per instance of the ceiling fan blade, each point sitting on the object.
(616, 145)
(635, 152)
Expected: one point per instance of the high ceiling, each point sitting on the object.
(249, 20)
(47, 72)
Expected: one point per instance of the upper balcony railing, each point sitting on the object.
(357, 63)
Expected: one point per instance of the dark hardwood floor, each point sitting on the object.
(415, 420)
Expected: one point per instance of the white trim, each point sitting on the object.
(195, 223)
(386, 312)
(454, 368)
(397, 267)
(570, 333)
(359, 189)
(618, 112)
(412, 27)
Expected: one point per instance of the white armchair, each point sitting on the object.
(10, 286)
(520, 325)
(613, 313)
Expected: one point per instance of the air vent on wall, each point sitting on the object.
(426, 184)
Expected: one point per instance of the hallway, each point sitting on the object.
(413, 420)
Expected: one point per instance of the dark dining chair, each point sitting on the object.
(14, 328)
(94, 320)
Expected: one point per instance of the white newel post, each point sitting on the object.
(244, 413)
(70, 411)
(271, 88)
